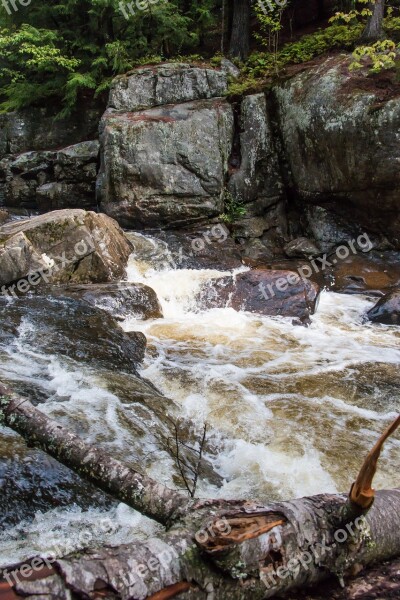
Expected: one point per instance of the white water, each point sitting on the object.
(291, 410)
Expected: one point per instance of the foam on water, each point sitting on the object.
(290, 410)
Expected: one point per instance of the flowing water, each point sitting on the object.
(290, 410)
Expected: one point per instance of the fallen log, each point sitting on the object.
(211, 549)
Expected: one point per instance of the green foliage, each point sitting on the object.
(378, 57)
(233, 208)
(355, 14)
(270, 20)
(263, 65)
(62, 51)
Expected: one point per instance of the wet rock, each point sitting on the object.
(387, 310)
(301, 248)
(60, 247)
(34, 482)
(272, 293)
(165, 84)
(328, 229)
(373, 272)
(256, 182)
(51, 180)
(121, 300)
(165, 167)
(339, 131)
(71, 328)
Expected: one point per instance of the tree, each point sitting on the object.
(211, 548)
(374, 28)
(240, 34)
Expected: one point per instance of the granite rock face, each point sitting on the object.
(50, 180)
(171, 83)
(341, 141)
(36, 129)
(165, 167)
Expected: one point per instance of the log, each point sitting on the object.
(93, 464)
(211, 549)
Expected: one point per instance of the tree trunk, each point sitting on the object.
(240, 35)
(374, 28)
(212, 549)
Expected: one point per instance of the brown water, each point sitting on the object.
(290, 410)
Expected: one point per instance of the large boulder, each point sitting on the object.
(67, 246)
(170, 83)
(165, 167)
(266, 292)
(49, 180)
(387, 310)
(340, 135)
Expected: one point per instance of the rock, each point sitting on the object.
(203, 248)
(37, 129)
(31, 482)
(68, 246)
(4, 216)
(329, 230)
(387, 310)
(272, 293)
(51, 180)
(61, 194)
(256, 181)
(165, 167)
(340, 136)
(257, 178)
(301, 248)
(72, 328)
(229, 68)
(373, 272)
(170, 83)
(121, 300)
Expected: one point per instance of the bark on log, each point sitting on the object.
(213, 549)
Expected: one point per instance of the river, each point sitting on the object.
(290, 410)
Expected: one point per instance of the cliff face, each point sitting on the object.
(317, 156)
(341, 139)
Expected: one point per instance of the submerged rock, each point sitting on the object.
(372, 272)
(272, 293)
(60, 247)
(387, 310)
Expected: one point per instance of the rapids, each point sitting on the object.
(290, 410)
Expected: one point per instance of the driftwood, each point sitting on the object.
(211, 549)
